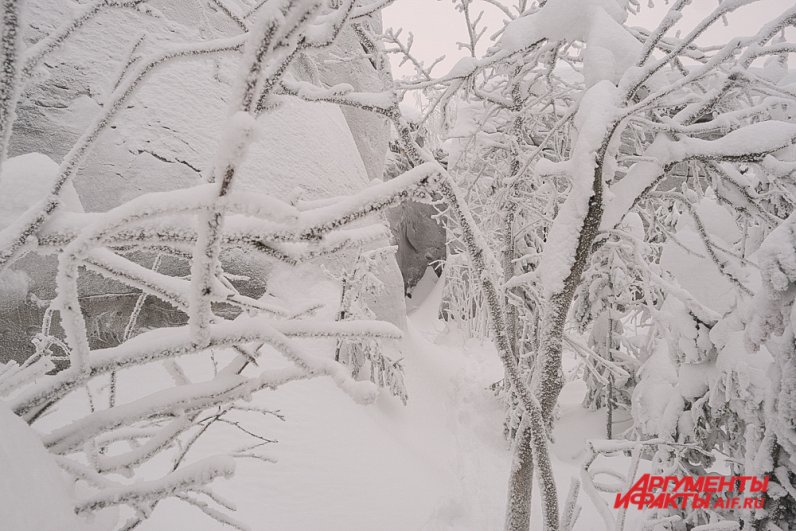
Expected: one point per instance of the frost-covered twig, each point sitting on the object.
(184, 480)
(9, 73)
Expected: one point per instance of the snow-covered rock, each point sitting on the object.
(26, 179)
(166, 137)
(420, 239)
(371, 131)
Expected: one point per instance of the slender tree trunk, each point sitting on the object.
(548, 374)
(508, 273)
(518, 508)
(548, 377)
(520, 489)
(497, 316)
(609, 348)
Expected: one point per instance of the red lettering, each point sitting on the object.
(622, 501)
(726, 483)
(638, 494)
(711, 484)
(659, 501)
(655, 482)
(759, 485)
(673, 492)
(700, 503)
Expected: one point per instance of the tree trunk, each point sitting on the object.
(548, 375)
(518, 508)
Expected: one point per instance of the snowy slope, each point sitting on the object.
(440, 463)
(34, 494)
(342, 466)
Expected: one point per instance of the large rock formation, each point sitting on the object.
(166, 139)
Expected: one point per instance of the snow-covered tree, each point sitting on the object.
(575, 132)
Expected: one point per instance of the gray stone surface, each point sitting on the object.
(166, 137)
(420, 238)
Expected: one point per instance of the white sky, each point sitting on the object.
(437, 26)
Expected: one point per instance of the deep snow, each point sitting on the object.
(439, 463)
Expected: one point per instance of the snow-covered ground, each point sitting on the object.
(438, 463)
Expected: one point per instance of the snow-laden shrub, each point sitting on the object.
(713, 384)
(366, 358)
